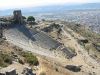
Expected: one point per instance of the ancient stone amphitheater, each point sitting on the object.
(37, 42)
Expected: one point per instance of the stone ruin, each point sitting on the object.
(13, 71)
(28, 71)
(73, 68)
(7, 71)
(18, 16)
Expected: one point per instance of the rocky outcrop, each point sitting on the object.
(17, 69)
(97, 46)
(73, 68)
(28, 71)
(8, 71)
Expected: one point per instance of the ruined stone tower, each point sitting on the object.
(18, 16)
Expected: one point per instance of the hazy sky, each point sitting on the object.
(7, 4)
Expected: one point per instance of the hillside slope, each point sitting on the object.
(69, 39)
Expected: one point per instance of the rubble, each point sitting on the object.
(28, 71)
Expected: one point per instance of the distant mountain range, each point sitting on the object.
(53, 8)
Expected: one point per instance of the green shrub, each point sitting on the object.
(2, 64)
(20, 61)
(5, 60)
(30, 58)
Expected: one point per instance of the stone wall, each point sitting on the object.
(18, 16)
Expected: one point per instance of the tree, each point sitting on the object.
(31, 18)
(23, 17)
